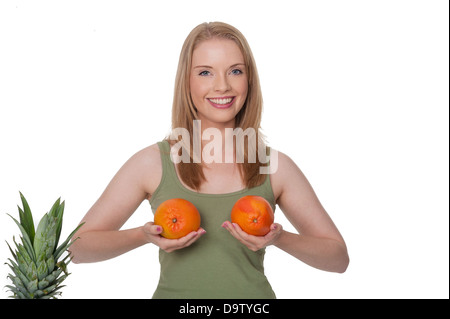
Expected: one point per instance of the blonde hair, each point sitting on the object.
(184, 111)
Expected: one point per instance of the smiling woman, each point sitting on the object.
(216, 84)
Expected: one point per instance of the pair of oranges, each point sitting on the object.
(178, 217)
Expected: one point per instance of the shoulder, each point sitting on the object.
(146, 163)
(284, 173)
(145, 158)
(148, 155)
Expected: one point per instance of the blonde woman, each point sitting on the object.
(217, 97)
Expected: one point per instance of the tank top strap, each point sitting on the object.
(169, 173)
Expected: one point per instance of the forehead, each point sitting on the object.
(217, 51)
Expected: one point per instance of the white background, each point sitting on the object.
(356, 92)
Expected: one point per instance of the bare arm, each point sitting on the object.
(318, 242)
(101, 238)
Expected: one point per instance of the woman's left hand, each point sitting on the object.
(254, 243)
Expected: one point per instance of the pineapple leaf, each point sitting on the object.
(26, 239)
(53, 210)
(54, 275)
(42, 284)
(39, 239)
(59, 216)
(26, 218)
(12, 252)
(20, 276)
(50, 237)
(14, 290)
(63, 266)
(50, 263)
(32, 286)
(42, 270)
(12, 264)
(51, 292)
(31, 272)
(22, 256)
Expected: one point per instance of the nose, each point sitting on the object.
(221, 83)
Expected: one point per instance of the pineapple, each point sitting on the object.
(37, 272)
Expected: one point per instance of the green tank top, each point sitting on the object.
(217, 265)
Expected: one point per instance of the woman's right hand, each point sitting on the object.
(152, 232)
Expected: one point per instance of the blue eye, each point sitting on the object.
(204, 73)
(236, 72)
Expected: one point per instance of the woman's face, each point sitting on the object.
(218, 82)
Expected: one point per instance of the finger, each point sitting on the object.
(198, 234)
(274, 226)
(237, 232)
(275, 229)
(241, 234)
(152, 229)
(231, 229)
(246, 239)
(253, 242)
(273, 234)
(192, 236)
(170, 245)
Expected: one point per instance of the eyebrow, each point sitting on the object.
(210, 67)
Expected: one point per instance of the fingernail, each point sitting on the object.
(158, 228)
(224, 224)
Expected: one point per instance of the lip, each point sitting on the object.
(222, 106)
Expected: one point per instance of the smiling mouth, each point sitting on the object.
(221, 103)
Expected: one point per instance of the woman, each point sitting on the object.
(217, 90)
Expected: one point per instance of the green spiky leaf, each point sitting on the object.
(26, 239)
(39, 238)
(26, 219)
(59, 216)
(37, 273)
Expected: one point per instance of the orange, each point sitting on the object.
(253, 214)
(178, 217)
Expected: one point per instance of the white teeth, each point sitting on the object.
(221, 101)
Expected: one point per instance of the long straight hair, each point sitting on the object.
(184, 112)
